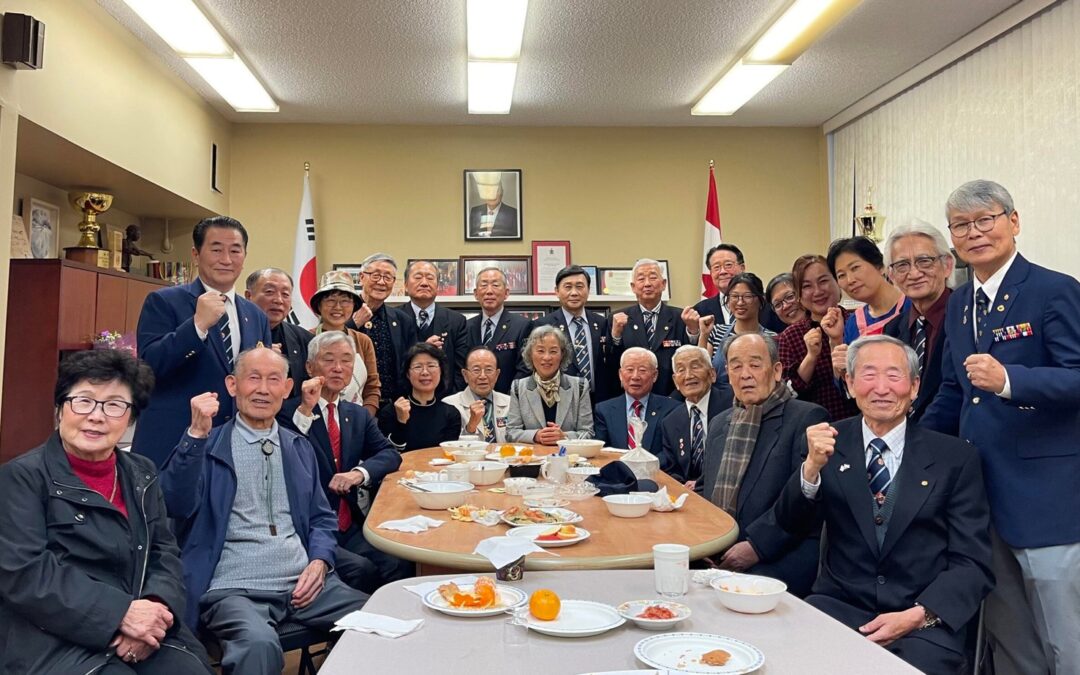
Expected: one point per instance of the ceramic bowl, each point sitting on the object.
(442, 495)
(628, 506)
(749, 593)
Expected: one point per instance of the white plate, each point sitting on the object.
(530, 532)
(565, 516)
(545, 502)
(506, 597)
(631, 609)
(579, 618)
(681, 652)
(441, 461)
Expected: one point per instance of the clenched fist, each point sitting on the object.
(402, 408)
(839, 360)
(618, 324)
(361, 316)
(203, 409)
(820, 445)
(209, 309)
(813, 341)
(476, 413)
(691, 319)
(832, 324)
(310, 391)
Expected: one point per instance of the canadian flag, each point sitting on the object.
(712, 236)
(304, 270)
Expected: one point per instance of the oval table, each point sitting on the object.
(614, 543)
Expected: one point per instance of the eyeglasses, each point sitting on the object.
(984, 224)
(424, 368)
(788, 299)
(727, 266)
(337, 302)
(923, 263)
(379, 276)
(477, 372)
(741, 298)
(83, 405)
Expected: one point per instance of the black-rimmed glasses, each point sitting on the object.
(84, 405)
(983, 224)
(923, 263)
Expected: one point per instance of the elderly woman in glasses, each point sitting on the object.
(745, 299)
(420, 419)
(784, 300)
(549, 405)
(90, 578)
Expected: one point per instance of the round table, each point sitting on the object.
(614, 543)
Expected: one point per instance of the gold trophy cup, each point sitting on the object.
(90, 204)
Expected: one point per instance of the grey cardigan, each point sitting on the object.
(573, 413)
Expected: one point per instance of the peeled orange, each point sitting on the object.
(544, 605)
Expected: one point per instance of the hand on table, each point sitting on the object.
(549, 435)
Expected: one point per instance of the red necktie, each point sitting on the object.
(344, 516)
(635, 408)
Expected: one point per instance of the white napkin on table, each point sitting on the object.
(380, 624)
(661, 501)
(502, 551)
(428, 586)
(413, 524)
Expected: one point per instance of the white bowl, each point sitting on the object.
(486, 473)
(467, 455)
(749, 593)
(631, 609)
(516, 486)
(442, 495)
(628, 506)
(578, 474)
(450, 447)
(586, 447)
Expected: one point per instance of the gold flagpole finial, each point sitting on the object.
(710, 164)
(307, 166)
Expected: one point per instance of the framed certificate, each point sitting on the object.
(548, 258)
(616, 281)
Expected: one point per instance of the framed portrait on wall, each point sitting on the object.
(43, 227)
(594, 280)
(354, 270)
(493, 209)
(448, 271)
(516, 269)
(666, 295)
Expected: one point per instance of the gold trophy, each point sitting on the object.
(91, 204)
(870, 222)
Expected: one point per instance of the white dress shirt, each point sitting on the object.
(991, 287)
(416, 312)
(893, 455)
(703, 406)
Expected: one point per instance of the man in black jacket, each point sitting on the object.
(501, 331)
(440, 326)
(271, 290)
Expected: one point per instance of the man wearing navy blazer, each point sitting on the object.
(440, 326)
(919, 263)
(353, 458)
(390, 329)
(1011, 387)
(501, 331)
(907, 555)
(191, 335)
(637, 372)
(271, 290)
(686, 427)
(582, 327)
(652, 324)
(751, 462)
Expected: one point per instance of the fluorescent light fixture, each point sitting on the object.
(803, 22)
(495, 28)
(738, 85)
(491, 87)
(235, 82)
(182, 25)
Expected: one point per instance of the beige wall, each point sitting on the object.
(617, 194)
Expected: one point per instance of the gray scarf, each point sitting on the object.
(739, 446)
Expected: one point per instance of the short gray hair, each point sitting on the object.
(244, 355)
(327, 339)
(700, 352)
(378, 257)
(254, 277)
(634, 351)
(917, 228)
(770, 345)
(490, 268)
(979, 194)
(539, 334)
(855, 347)
(642, 262)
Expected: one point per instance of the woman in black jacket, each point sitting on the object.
(90, 578)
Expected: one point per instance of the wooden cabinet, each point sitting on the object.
(56, 306)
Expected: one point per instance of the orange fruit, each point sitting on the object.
(544, 605)
(526, 452)
(507, 451)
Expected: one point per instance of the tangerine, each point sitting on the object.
(507, 451)
(526, 452)
(544, 605)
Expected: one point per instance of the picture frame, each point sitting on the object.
(516, 268)
(42, 227)
(666, 295)
(548, 259)
(594, 279)
(498, 189)
(449, 273)
(615, 280)
(354, 270)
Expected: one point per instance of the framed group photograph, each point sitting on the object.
(448, 271)
(354, 270)
(548, 259)
(43, 221)
(515, 268)
(594, 279)
(492, 204)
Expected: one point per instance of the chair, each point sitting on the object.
(292, 637)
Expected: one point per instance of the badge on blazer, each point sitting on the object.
(1015, 332)
(368, 325)
(670, 343)
(503, 346)
(500, 421)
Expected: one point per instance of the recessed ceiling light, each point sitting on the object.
(491, 87)
(803, 22)
(182, 25)
(231, 78)
(735, 88)
(495, 28)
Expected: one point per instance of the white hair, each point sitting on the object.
(643, 262)
(328, 339)
(635, 351)
(700, 352)
(916, 228)
(855, 347)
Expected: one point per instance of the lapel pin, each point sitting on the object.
(595, 327)
(394, 324)
(844, 467)
(680, 444)
(346, 420)
(368, 325)
(1006, 296)
(965, 318)
(925, 483)
(635, 326)
(1001, 308)
(502, 327)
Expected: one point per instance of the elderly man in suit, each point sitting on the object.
(501, 331)
(440, 326)
(353, 457)
(191, 335)
(588, 332)
(271, 290)
(751, 452)
(653, 325)
(685, 428)
(919, 263)
(1011, 386)
(484, 411)
(391, 330)
(637, 373)
(907, 558)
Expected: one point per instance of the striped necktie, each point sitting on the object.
(650, 325)
(697, 440)
(422, 316)
(918, 341)
(982, 312)
(636, 409)
(226, 338)
(877, 472)
(489, 421)
(489, 331)
(581, 349)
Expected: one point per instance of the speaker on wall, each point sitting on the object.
(23, 44)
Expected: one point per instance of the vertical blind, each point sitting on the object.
(1009, 112)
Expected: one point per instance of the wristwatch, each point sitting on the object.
(930, 620)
